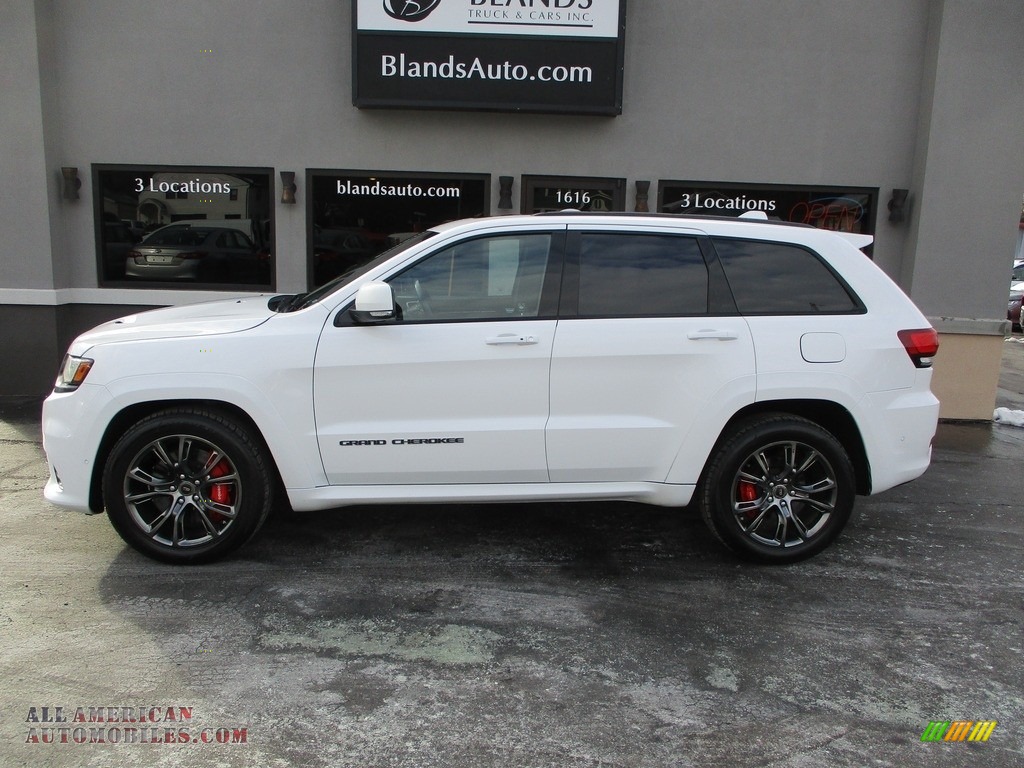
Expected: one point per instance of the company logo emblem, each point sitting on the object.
(959, 730)
(410, 10)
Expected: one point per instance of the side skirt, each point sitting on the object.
(657, 494)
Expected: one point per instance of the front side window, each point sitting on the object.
(781, 279)
(490, 278)
(640, 275)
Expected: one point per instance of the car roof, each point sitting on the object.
(736, 226)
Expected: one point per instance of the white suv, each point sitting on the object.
(768, 372)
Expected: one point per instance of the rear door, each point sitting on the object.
(648, 345)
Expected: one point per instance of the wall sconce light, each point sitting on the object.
(71, 182)
(642, 190)
(288, 187)
(897, 205)
(505, 193)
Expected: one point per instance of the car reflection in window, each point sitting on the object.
(200, 254)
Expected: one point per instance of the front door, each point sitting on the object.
(456, 391)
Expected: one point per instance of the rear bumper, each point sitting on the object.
(899, 448)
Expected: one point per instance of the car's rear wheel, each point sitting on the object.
(778, 489)
(187, 485)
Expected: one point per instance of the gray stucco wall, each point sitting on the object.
(970, 170)
(26, 169)
(918, 94)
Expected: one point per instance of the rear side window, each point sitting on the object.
(627, 275)
(782, 279)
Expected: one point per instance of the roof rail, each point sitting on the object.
(750, 217)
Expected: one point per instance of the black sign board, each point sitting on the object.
(556, 193)
(844, 209)
(561, 56)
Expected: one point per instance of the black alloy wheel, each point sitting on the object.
(187, 485)
(778, 490)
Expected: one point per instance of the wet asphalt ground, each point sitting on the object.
(546, 635)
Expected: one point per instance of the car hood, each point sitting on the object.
(206, 319)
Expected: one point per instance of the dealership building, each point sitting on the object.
(163, 153)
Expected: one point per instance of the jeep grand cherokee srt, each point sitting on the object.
(767, 372)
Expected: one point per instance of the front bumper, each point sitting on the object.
(73, 426)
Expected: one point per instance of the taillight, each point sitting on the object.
(921, 344)
(193, 255)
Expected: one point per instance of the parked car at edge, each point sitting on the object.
(1013, 306)
(768, 373)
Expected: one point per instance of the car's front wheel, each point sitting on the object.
(778, 489)
(187, 485)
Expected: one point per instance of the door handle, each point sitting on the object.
(711, 333)
(519, 339)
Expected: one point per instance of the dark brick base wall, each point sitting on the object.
(33, 340)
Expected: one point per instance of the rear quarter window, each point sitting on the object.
(782, 279)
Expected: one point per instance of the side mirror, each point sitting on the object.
(375, 303)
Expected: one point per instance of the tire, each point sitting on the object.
(779, 489)
(187, 485)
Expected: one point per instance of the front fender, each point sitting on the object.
(285, 421)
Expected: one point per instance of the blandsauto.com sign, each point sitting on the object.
(499, 55)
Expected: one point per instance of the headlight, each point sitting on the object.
(73, 371)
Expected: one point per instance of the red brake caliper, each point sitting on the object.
(748, 492)
(221, 493)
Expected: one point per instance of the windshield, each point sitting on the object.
(306, 299)
(1018, 273)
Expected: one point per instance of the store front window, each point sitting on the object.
(844, 209)
(355, 215)
(556, 193)
(183, 226)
